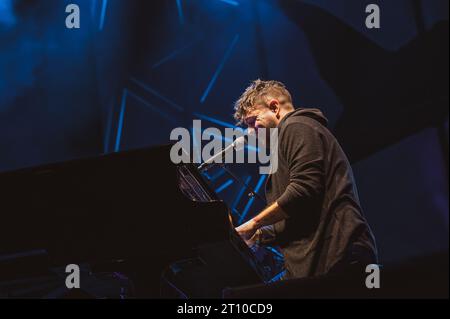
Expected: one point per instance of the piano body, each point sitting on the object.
(135, 212)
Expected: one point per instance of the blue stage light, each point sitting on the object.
(224, 186)
(103, 14)
(121, 116)
(219, 68)
(231, 2)
(154, 92)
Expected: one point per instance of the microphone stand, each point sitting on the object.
(252, 193)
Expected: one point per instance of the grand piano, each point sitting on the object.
(134, 213)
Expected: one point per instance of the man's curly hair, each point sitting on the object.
(254, 94)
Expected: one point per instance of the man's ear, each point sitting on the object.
(274, 106)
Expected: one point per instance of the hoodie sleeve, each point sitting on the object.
(302, 147)
(267, 234)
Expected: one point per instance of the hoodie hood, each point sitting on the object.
(315, 114)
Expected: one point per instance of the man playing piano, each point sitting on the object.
(313, 210)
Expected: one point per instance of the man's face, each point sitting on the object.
(261, 117)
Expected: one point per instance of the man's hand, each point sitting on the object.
(255, 239)
(268, 216)
(247, 230)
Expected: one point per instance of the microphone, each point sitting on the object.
(238, 144)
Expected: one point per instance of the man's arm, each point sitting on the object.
(268, 216)
(302, 147)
